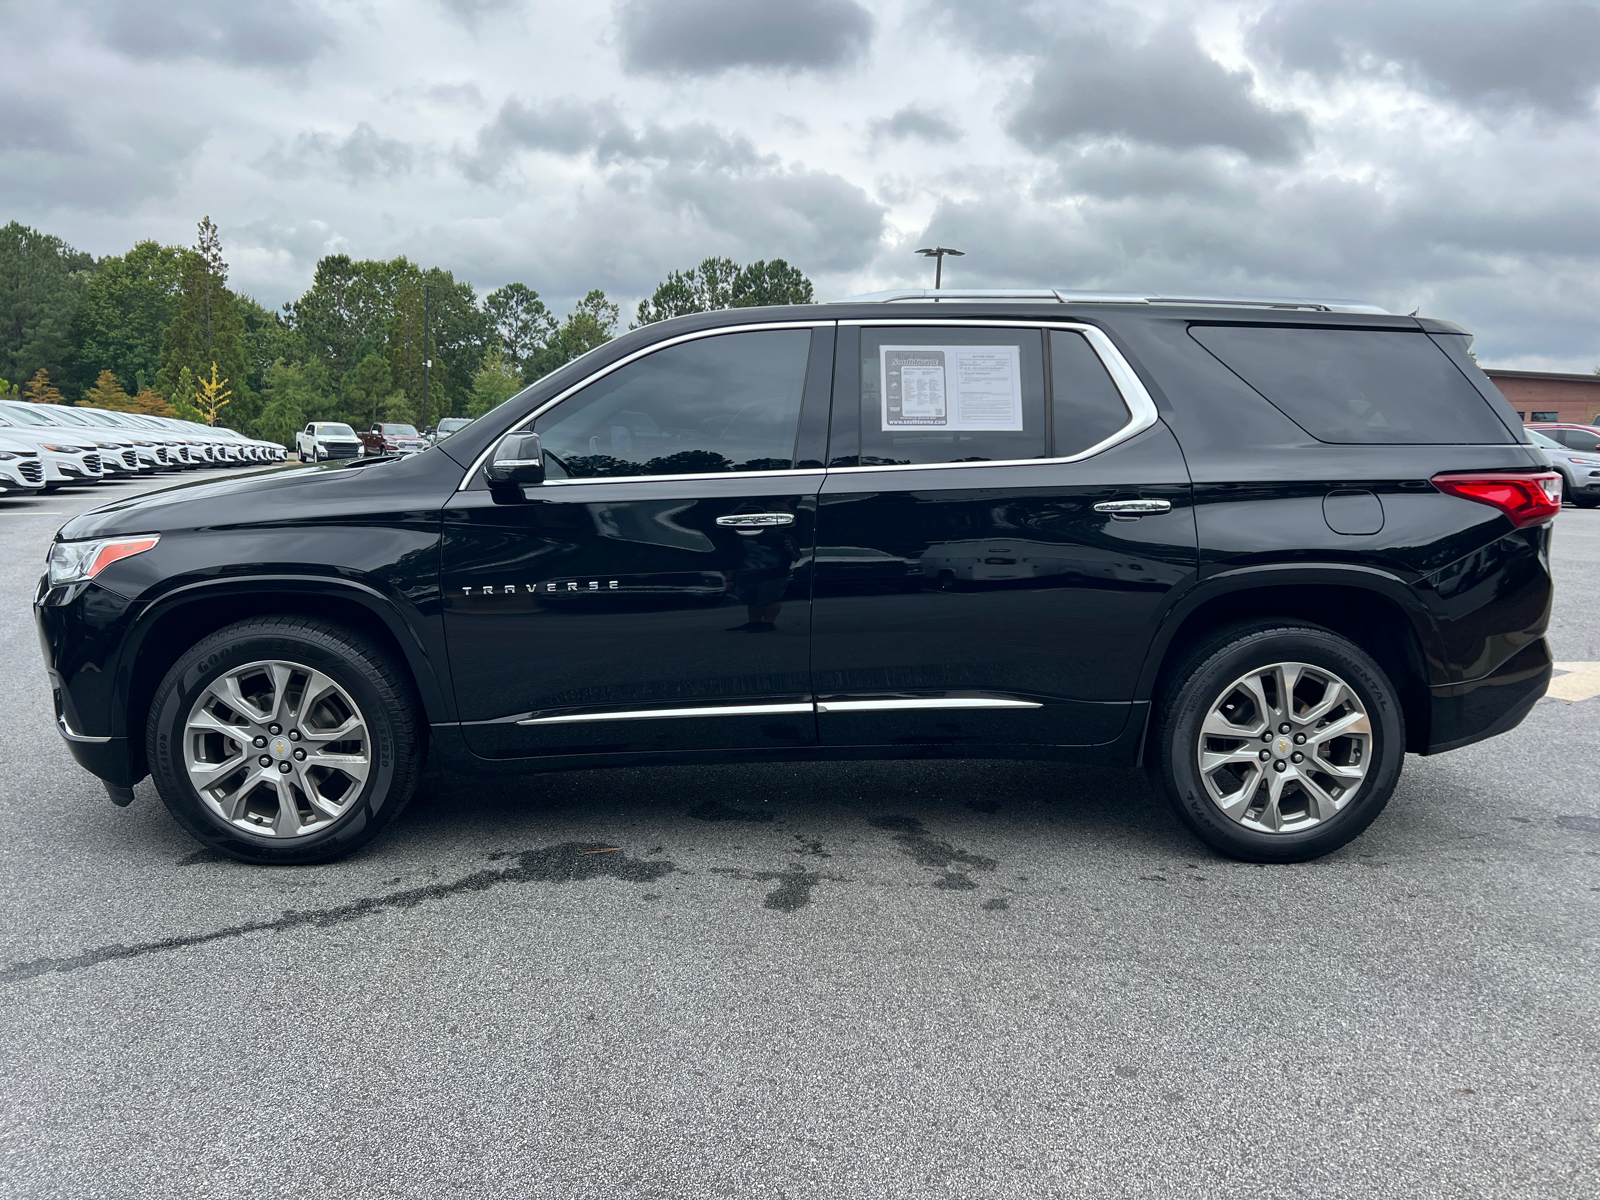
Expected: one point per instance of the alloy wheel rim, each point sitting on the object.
(277, 748)
(1285, 747)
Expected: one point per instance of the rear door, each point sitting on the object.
(973, 466)
(652, 593)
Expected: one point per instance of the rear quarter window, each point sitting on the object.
(1357, 385)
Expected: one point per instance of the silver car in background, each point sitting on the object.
(1580, 470)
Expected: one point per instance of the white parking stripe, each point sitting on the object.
(1580, 681)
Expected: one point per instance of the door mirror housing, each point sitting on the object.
(518, 460)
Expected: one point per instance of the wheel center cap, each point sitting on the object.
(280, 748)
(1282, 746)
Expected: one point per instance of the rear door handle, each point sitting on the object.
(747, 520)
(1130, 510)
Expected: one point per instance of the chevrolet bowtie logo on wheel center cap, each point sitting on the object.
(280, 748)
(1282, 747)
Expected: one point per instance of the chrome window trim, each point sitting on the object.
(527, 422)
(1141, 408)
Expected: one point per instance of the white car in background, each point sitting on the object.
(323, 440)
(67, 458)
(119, 455)
(151, 441)
(21, 471)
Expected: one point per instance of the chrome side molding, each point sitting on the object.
(760, 710)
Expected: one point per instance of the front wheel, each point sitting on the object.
(1278, 743)
(284, 740)
(1587, 501)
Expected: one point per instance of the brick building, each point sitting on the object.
(1550, 395)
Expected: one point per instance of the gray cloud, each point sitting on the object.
(914, 122)
(1098, 74)
(693, 176)
(1164, 91)
(109, 165)
(285, 33)
(363, 155)
(707, 37)
(1542, 55)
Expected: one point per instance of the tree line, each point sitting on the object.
(158, 330)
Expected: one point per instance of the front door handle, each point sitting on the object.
(1132, 510)
(749, 520)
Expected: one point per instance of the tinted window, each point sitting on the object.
(1085, 404)
(940, 394)
(726, 403)
(1357, 385)
(409, 431)
(1579, 439)
(1543, 442)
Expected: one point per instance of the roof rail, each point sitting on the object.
(1063, 296)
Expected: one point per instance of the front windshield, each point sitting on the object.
(335, 429)
(399, 430)
(1540, 440)
(24, 417)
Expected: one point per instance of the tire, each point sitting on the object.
(1315, 812)
(375, 766)
(1587, 501)
(1566, 489)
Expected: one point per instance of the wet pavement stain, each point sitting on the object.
(568, 863)
(715, 810)
(794, 885)
(1580, 824)
(996, 905)
(915, 842)
(955, 881)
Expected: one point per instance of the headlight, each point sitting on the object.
(73, 562)
(6, 456)
(66, 449)
(1584, 462)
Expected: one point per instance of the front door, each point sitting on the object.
(652, 593)
(997, 601)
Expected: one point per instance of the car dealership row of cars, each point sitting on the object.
(44, 446)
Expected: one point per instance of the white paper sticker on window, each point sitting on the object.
(960, 388)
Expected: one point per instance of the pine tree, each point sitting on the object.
(211, 395)
(182, 397)
(151, 404)
(39, 389)
(207, 331)
(108, 392)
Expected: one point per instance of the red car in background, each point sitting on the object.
(393, 439)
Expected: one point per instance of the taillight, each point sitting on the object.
(1526, 499)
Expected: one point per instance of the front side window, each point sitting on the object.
(942, 394)
(1576, 439)
(708, 406)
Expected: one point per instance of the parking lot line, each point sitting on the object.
(1580, 681)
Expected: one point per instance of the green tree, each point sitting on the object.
(365, 390)
(495, 382)
(592, 322)
(397, 407)
(107, 392)
(705, 288)
(207, 331)
(288, 393)
(520, 323)
(127, 306)
(774, 282)
(184, 397)
(268, 337)
(41, 283)
(8, 390)
(39, 389)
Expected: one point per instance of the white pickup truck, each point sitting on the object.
(321, 440)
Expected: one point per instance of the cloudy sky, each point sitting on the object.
(1441, 154)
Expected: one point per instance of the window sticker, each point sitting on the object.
(960, 388)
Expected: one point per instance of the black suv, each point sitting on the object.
(1262, 549)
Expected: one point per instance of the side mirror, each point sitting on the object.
(516, 461)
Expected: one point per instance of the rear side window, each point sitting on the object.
(1357, 385)
(1084, 402)
(940, 394)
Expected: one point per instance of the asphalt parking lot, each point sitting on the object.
(844, 980)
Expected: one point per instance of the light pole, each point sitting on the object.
(937, 253)
(427, 357)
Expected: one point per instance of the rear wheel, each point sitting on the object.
(1278, 743)
(284, 740)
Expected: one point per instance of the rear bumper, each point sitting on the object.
(1463, 713)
